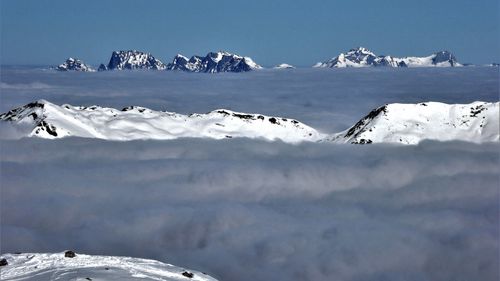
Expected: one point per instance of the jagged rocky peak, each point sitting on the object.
(213, 62)
(72, 64)
(132, 59)
(362, 57)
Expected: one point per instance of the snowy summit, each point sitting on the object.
(47, 120)
(362, 57)
(284, 66)
(72, 64)
(411, 123)
(132, 59)
(71, 266)
(213, 63)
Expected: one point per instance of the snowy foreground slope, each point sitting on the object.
(35, 266)
(393, 123)
(362, 57)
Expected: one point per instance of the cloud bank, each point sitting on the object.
(250, 210)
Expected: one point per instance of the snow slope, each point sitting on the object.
(213, 62)
(55, 266)
(412, 123)
(393, 123)
(72, 64)
(52, 121)
(132, 59)
(362, 57)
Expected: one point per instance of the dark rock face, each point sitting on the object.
(132, 59)
(3, 262)
(102, 67)
(69, 254)
(444, 56)
(358, 127)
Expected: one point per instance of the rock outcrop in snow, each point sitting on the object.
(213, 63)
(44, 266)
(132, 59)
(412, 123)
(72, 64)
(362, 57)
(52, 121)
(393, 123)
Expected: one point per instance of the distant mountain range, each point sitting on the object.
(222, 61)
(392, 123)
(362, 57)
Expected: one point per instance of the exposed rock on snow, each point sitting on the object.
(35, 266)
(213, 62)
(132, 59)
(72, 64)
(362, 57)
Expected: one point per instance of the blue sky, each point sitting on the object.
(271, 32)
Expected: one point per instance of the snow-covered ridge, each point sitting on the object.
(213, 62)
(411, 123)
(58, 266)
(132, 59)
(52, 121)
(393, 123)
(72, 64)
(362, 57)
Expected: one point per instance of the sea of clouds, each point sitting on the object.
(242, 209)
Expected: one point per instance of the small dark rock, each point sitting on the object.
(69, 254)
(3, 262)
(188, 274)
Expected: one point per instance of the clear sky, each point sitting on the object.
(300, 32)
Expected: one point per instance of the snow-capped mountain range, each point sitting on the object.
(223, 61)
(72, 64)
(60, 266)
(213, 62)
(392, 123)
(132, 59)
(362, 57)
